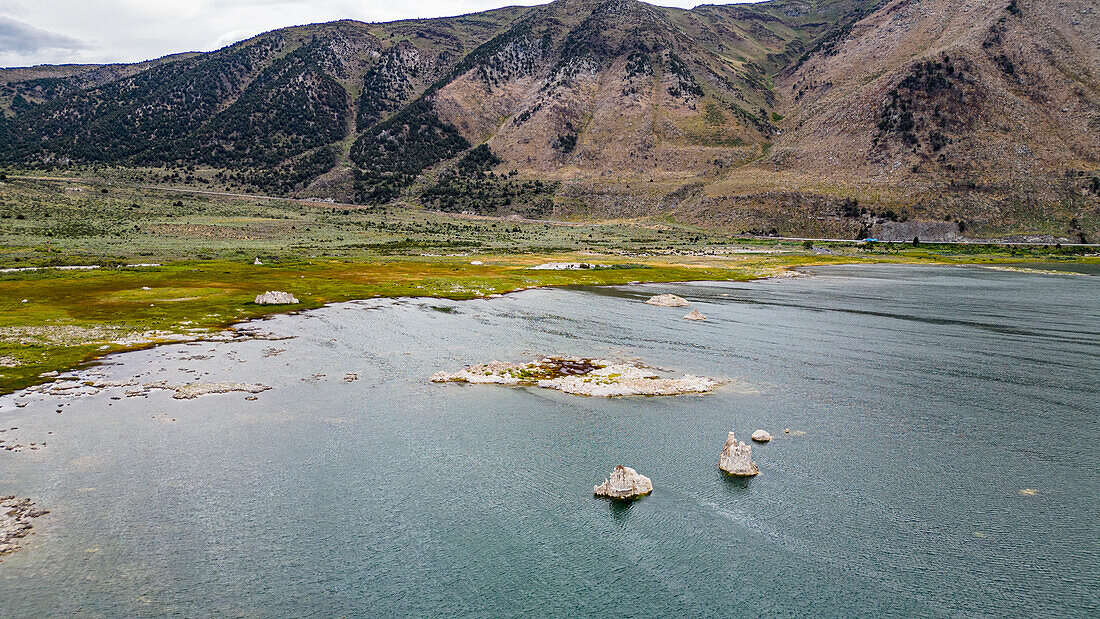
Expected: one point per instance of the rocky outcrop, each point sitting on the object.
(761, 436)
(624, 484)
(736, 458)
(15, 522)
(624, 380)
(274, 297)
(580, 376)
(695, 315)
(667, 300)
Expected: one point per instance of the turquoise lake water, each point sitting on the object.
(921, 402)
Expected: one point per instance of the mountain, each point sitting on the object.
(972, 113)
(36, 85)
(837, 117)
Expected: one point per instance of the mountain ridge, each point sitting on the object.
(773, 116)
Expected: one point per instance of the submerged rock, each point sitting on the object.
(15, 517)
(695, 315)
(190, 391)
(667, 300)
(624, 483)
(579, 376)
(736, 458)
(761, 436)
(274, 297)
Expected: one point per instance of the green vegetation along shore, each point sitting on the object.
(204, 277)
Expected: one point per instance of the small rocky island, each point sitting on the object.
(736, 458)
(695, 315)
(624, 484)
(579, 376)
(667, 300)
(15, 522)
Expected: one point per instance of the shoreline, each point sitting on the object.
(468, 284)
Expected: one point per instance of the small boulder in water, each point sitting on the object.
(667, 300)
(695, 315)
(736, 458)
(274, 297)
(624, 484)
(761, 436)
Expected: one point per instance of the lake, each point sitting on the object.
(942, 460)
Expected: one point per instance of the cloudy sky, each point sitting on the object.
(64, 31)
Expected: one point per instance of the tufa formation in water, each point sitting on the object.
(736, 458)
(624, 484)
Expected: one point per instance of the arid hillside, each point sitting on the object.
(885, 118)
(975, 112)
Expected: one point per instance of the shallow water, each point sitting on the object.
(921, 402)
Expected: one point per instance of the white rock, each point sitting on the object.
(736, 458)
(695, 315)
(667, 300)
(476, 262)
(624, 483)
(761, 436)
(274, 297)
(257, 262)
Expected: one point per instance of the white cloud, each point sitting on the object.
(134, 30)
